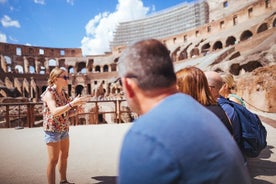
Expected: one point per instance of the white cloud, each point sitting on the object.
(8, 22)
(99, 30)
(3, 37)
(39, 2)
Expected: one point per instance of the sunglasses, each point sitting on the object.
(64, 77)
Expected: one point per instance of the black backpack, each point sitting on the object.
(253, 138)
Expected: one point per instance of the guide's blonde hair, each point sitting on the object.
(56, 72)
(229, 80)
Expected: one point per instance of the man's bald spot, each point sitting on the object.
(214, 79)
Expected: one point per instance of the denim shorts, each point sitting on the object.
(55, 136)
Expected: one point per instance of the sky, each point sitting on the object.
(85, 24)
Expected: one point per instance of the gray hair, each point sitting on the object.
(149, 63)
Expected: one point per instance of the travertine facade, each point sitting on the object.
(237, 30)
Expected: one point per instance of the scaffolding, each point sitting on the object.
(162, 24)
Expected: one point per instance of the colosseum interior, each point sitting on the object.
(222, 35)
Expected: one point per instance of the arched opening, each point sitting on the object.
(274, 23)
(262, 28)
(18, 69)
(81, 67)
(251, 65)
(174, 54)
(105, 68)
(52, 64)
(183, 55)
(235, 69)
(97, 68)
(217, 45)
(205, 48)
(194, 52)
(70, 69)
(246, 35)
(78, 90)
(231, 40)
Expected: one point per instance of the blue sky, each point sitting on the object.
(86, 24)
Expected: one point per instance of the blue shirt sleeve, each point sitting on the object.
(144, 160)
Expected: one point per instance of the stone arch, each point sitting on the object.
(174, 54)
(235, 69)
(205, 48)
(183, 55)
(81, 67)
(217, 45)
(251, 65)
(31, 69)
(71, 70)
(262, 27)
(78, 90)
(231, 40)
(97, 68)
(52, 64)
(7, 64)
(105, 68)
(19, 69)
(194, 52)
(246, 35)
(31, 65)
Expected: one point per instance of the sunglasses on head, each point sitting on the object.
(64, 77)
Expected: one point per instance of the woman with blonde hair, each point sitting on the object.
(228, 86)
(57, 108)
(192, 81)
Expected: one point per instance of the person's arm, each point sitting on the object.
(56, 111)
(143, 160)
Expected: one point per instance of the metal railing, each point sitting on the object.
(29, 114)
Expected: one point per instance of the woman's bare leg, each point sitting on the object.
(64, 149)
(53, 155)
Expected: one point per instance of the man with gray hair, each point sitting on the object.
(215, 84)
(175, 139)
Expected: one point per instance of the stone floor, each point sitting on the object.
(94, 155)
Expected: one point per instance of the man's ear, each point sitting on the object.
(130, 86)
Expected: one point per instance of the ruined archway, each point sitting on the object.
(71, 70)
(262, 28)
(97, 68)
(174, 54)
(205, 48)
(81, 67)
(78, 90)
(246, 35)
(231, 40)
(251, 65)
(194, 52)
(217, 45)
(235, 69)
(105, 68)
(183, 55)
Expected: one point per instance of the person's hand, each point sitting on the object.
(79, 100)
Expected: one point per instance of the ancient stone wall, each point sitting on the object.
(236, 28)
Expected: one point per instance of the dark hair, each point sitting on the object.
(149, 63)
